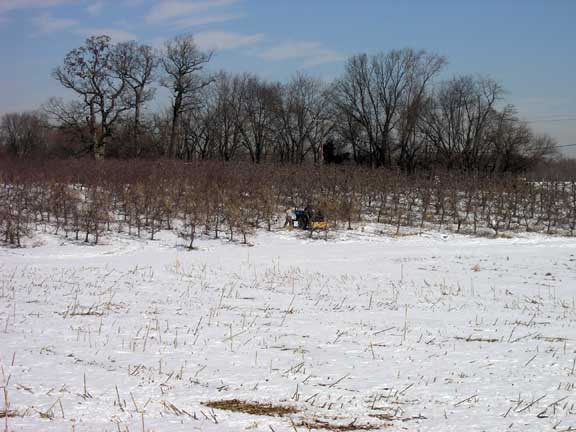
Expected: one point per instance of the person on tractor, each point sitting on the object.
(303, 218)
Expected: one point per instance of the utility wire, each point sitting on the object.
(552, 120)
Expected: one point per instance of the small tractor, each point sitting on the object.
(309, 219)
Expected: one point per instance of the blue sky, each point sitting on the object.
(527, 45)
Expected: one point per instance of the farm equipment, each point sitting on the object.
(309, 219)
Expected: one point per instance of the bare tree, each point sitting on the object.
(540, 148)
(354, 97)
(183, 64)
(421, 68)
(458, 121)
(90, 72)
(227, 113)
(381, 95)
(197, 130)
(384, 111)
(304, 119)
(510, 141)
(138, 63)
(70, 118)
(24, 134)
(258, 113)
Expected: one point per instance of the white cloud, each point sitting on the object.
(45, 23)
(311, 53)
(169, 10)
(225, 40)
(204, 20)
(95, 8)
(157, 42)
(11, 5)
(115, 34)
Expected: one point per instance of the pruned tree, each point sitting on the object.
(193, 214)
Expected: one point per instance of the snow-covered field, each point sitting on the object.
(420, 333)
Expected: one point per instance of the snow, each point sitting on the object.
(429, 332)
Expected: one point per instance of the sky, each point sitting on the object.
(529, 46)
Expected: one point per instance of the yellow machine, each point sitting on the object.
(306, 219)
(323, 225)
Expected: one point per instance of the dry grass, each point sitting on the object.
(10, 413)
(86, 313)
(477, 339)
(254, 408)
(271, 410)
(317, 424)
(551, 338)
(390, 417)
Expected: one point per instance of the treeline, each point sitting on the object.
(386, 110)
(84, 199)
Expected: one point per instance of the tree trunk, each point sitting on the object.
(136, 137)
(176, 110)
(99, 148)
